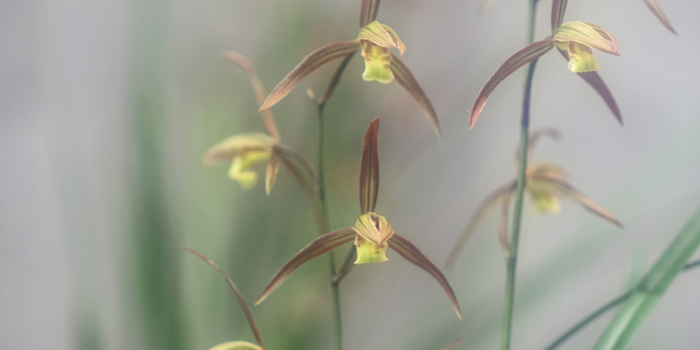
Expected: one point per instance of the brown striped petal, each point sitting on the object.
(656, 9)
(317, 247)
(558, 10)
(369, 169)
(515, 61)
(241, 300)
(307, 65)
(406, 79)
(407, 250)
(368, 12)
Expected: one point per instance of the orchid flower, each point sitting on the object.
(371, 233)
(374, 41)
(574, 40)
(245, 150)
(545, 183)
(235, 345)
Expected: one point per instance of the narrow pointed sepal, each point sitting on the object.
(317, 247)
(273, 167)
(307, 65)
(487, 206)
(656, 9)
(406, 79)
(558, 11)
(244, 305)
(258, 89)
(565, 190)
(515, 61)
(409, 252)
(594, 80)
(237, 345)
(368, 12)
(369, 169)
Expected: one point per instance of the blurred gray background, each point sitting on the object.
(106, 107)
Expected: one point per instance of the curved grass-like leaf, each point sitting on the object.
(258, 89)
(565, 190)
(634, 311)
(656, 9)
(558, 10)
(406, 79)
(515, 61)
(409, 251)
(241, 300)
(292, 154)
(369, 169)
(314, 60)
(368, 12)
(317, 247)
(484, 209)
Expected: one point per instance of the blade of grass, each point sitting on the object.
(644, 297)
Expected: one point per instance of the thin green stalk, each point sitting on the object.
(335, 290)
(512, 255)
(600, 311)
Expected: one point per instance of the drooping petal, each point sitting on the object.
(244, 306)
(258, 88)
(586, 34)
(490, 203)
(369, 169)
(377, 63)
(515, 61)
(317, 247)
(406, 79)
(565, 190)
(407, 250)
(558, 10)
(656, 9)
(368, 12)
(381, 35)
(454, 344)
(594, 80)
(231, 146)
(273, 167)
(307, 65)
(309, 190)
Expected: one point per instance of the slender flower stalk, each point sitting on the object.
(512, 257)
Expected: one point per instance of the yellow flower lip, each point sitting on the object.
(244, 150)
(376, 40)
(373, 232)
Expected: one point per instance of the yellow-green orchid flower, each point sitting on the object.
(235, 345)
(372, 233)
(545, 183)
(246, 150)
(374, 41)
(574, 41)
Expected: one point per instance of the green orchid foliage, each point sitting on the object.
(372, 232)
(545, 183)
(245, 150)
(575, 41)
(374, 42)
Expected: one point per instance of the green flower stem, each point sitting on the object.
(600, 311)
(335, 290)
(512, 255)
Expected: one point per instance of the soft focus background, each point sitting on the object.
(107, 106)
